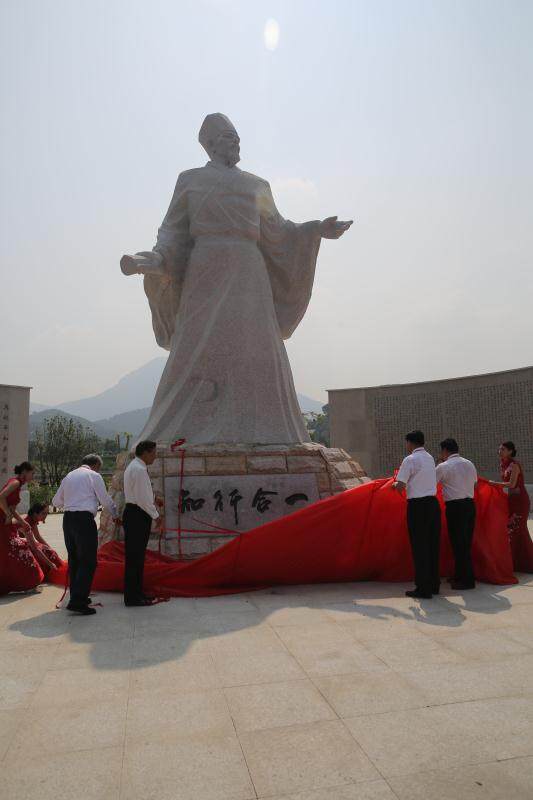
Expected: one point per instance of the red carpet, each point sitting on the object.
(359, 535)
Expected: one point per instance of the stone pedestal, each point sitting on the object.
(214, 492)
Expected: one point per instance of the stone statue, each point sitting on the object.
(227, 281)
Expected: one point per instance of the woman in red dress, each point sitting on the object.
(519, 504)
(46, 556)
(19, 571)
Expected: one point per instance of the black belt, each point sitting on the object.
(420, 499)
(460, 500)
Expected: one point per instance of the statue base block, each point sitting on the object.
(213, 493)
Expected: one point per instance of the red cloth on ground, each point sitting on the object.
(360, 534)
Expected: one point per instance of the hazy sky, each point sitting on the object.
(414, 118)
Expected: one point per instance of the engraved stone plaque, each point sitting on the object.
(235, 502)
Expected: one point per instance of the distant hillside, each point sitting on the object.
(133, 394)
(134, 391)
(37, 407)
(101, 429)
(129, 422)
(308, 404)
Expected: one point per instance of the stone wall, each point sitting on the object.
(14, 425)
(227, 490)
(14, 431)
(479, 411)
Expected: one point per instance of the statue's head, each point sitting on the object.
(220, 140)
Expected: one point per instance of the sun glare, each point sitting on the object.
(271, 34)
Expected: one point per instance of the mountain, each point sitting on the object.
(37, 407)
(129, 422)
(100, 428)
(308, 404)
(134, 393)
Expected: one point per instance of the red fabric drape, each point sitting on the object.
(358, 535)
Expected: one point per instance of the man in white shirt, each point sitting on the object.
(418, 477)
(458, 478)
(79, 495)
(139, 513)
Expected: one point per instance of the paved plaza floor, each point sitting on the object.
(324, 692)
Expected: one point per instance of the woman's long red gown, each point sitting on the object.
(19, 571)
(519, 505)
(46, 550)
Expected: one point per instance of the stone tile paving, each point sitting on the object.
(328, 692)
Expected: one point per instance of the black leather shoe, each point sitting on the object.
(461, 587)
(83, 610)
(416, 593)
(142, 601)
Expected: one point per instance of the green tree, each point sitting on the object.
(58, 446)
(41, 493)
(111, 446)
(109, 450)
(127, 439)
(318, 426)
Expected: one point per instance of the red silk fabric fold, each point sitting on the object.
(358, 535)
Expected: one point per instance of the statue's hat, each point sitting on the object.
(212, 126)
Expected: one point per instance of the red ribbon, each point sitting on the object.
(176, 444)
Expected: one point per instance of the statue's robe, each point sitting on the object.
(236, 280)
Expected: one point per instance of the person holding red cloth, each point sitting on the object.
(140, 512)
(19, 570)
(417, 475)
(79, 494)
(46, 556)
(458, 478)
(512, 479)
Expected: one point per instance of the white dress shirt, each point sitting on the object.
(458, 477)
(138, 488)
(418, 473)
(83, 489)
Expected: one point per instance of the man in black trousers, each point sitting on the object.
(80, 493)
(417, 476)
(139, 513)
(458, 478)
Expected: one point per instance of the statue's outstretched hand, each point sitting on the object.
(333, 228)
(141, 263)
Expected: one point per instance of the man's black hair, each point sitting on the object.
(450, 445)
(145, 447)
(416, 437)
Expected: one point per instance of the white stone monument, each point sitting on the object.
(227, 281)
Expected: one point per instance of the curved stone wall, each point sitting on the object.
(479, 411)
